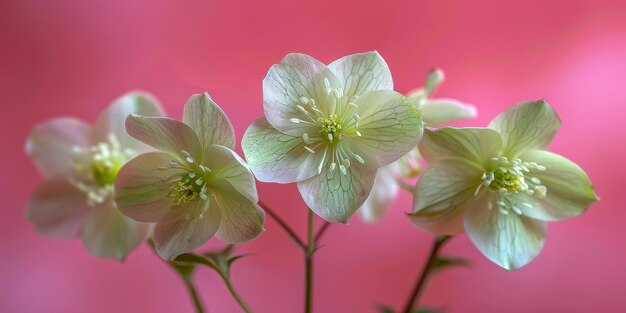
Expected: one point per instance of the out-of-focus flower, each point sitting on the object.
(80, 162)
(195, 187)
(433, 112)
(330, 128)
(499, 184)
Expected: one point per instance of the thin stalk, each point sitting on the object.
(235, 295)
(308, 288)
(426, 270)
(284, 225)
(194, 294)
(321, 231)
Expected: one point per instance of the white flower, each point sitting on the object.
(433, 112)
(195, 187)
(80, 163)
(330, 128)
(499, 184)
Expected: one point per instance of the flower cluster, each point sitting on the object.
(339, 131)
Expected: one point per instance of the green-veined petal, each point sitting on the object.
(440, 195)
(277, 157)
(142, 186)
(226, 165)
(389, 128)
(335, 196)
(526, 126)
(362, 72)
(569, 190)
(183, 235)
(165, 134)
(241, 218)
(209, 122)
(473, 145)
(285, 86)
(509, 240)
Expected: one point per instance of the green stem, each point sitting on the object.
(234, 293)
(426, 270)
(308, 255)
(193, 293)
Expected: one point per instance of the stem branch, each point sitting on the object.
(426, 270)
(233, 292)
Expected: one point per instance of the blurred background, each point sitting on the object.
(71, 58)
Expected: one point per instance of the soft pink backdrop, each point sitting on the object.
(72, 57)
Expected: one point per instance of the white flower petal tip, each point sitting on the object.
(209, 121)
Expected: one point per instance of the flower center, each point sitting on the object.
(97, 167)
(191, 187)
(331, 128)
(510, 177)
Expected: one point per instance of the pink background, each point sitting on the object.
(73, 57)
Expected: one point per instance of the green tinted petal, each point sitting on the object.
(509, 240)
(242, 218)
(335, 196)
(440, 194)
(389, 128)
(474, 145)
(569, 190)
(526, 126)
(437, 111)
(209, 122)
(226, 165)
(277, 157)
(362, 72)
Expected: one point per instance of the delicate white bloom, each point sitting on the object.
(330, 128)
(433, 112)
(499, 184)
(80, 163)
(195, 187)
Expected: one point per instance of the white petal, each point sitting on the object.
(183, 235)
(165, 134)
(109, 234)
(474, 145)
(284, 86)
(385, 190)
(226, 165)
(389, 126)
(141, 188)
(242, 218)
(569, 190)
(441, 192)
(509, 240)
(57, 209)
(437, 111)
(526, 126)
(335, 196)
(112, 119)
(277, 157)
(362, 72)
(209, 122)
(50, 145)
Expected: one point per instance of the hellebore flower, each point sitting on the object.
(80, 162)
(433, 112)
(330, 128)
(499, 184)
(195, 187)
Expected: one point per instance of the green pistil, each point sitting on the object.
(331, 128)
